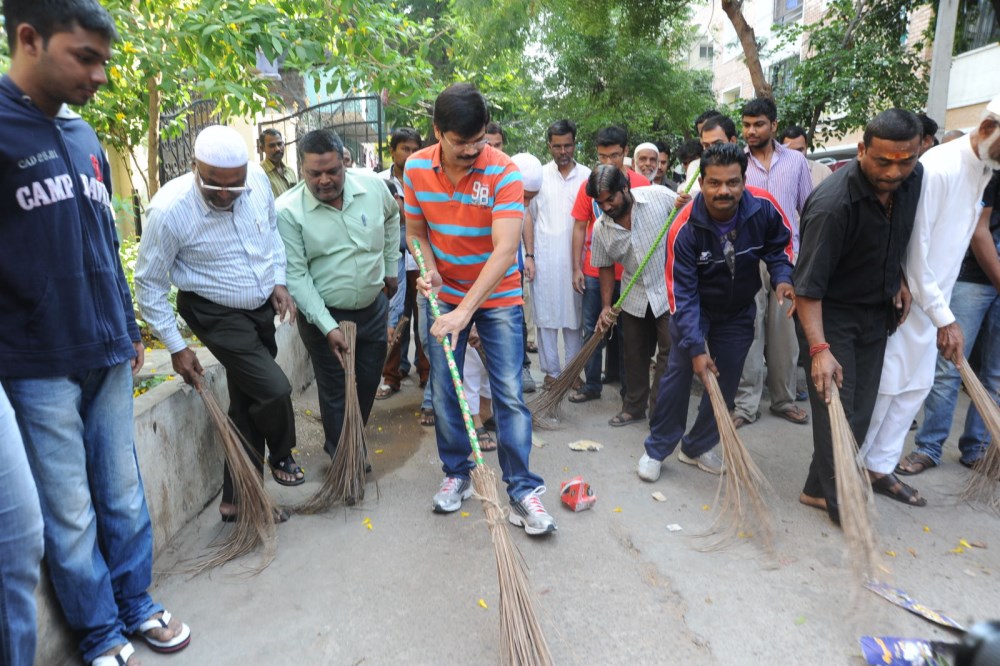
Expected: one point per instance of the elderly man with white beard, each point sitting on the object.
(646, 159)
(955, 175)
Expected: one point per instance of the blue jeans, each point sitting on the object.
(77, 432)
(977, 309)
(398, 299)
(592, 307)
(423, 328)
(728, 341)
(20, 545)
(500, 331)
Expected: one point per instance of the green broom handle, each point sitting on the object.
(456, 380)
(659, 237)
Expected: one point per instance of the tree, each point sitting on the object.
(751, 50)
(860, 62)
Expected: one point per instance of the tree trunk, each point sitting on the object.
(748, 40)
(153, 137)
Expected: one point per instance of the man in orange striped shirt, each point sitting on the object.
(464, 203)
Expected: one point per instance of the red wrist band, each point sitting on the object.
(815, 349)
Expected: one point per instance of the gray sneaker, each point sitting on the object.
(649, 468)
(710, 461)
(453, 490)
(527, 382)
(529, 513)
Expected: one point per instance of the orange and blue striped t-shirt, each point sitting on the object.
(460, 218)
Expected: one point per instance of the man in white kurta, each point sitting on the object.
(955, 175)
(556, 304)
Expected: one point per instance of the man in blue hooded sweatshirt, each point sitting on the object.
(69, 343)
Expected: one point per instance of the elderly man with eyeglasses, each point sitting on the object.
(213, 233)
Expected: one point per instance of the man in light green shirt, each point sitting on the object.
(282, 178)
(341, 234)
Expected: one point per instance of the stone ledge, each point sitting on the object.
(180, 463)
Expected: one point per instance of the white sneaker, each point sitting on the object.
(529, 513)
(453, 491)
(649, 469)
(710, 461)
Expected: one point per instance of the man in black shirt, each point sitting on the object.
(976, 306)
(849, 293)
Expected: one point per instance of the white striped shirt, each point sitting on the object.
(788, 180)
(233, 258)
(612, 243)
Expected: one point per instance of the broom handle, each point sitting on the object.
(456, 380)
(652, 249)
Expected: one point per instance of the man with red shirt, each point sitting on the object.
(465, 205)
(612, 147)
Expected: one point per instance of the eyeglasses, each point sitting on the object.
(239, 189)
(463, 145)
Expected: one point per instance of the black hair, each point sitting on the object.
(320, 142)
(560, 127)
(404, 134)
(705, 115)
(461, 109)
(689, 150)
(725, 122)
(662, 146)
(606, 178)
(612, 136)
(724, 154)
(270, 131)
(761, 106)
(494, 127)
(929, 125)
(893, 125)
(48, 17)
(791, 132)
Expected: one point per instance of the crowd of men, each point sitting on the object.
(877, 278)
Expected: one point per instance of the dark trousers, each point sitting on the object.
(398, 361)
(857, 337)
(644, 337)
(368, 361)
(728, 341)
(260, 397)
(591, 312)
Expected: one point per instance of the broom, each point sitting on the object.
(743, 509)
(545, 407)
(397, 334)
(982, 484)
(255, 522)
(854, 493)
(521, 640)
(345, 478)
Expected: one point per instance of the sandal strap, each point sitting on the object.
(120, 659)
(161, 622)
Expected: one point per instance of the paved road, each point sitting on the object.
(614, 585)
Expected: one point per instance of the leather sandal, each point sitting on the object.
(890, 486)
(916, 463)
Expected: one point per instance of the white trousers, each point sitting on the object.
(475, 379)
(548, 348)
(891, 421)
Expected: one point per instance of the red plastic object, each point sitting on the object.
(576, 494)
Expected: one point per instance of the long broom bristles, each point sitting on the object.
(854, 493)
(982, 484)
(743, 511)
(255, 523)
(521, 639)
(345, 478)
(545, 407)
(397, 334)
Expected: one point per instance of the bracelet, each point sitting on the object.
(528, 255)
(815, 349)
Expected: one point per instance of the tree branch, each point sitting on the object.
(748, 39)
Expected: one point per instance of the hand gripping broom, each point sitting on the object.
(521, 640)
(345, 478)
(545, 407)
(982, 484)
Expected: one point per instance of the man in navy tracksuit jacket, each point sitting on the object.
(712, 273)
(69, 343)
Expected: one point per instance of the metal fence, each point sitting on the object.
(357, 120)
(182, 127)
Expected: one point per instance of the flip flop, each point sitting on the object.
(120, 659)
(288, 466)
(583, 396)
(426, 417)
(623, 419)
(912, 459)
(793, 415)
(486, 441)
(905, 494)
(386, 391)
(175, 644)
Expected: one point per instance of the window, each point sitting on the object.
(706, 51)
(786, 11)
(782, 80)
(977, 25)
